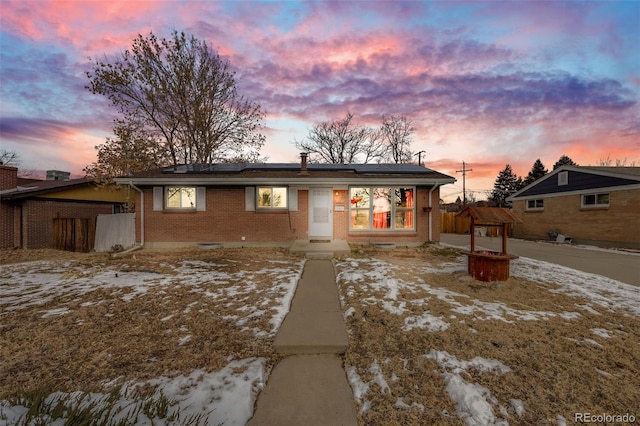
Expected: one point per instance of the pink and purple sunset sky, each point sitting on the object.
(488, 83)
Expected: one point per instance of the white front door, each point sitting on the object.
(320, 213)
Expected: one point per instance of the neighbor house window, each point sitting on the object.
(382, 208)
(595, 200)
(180, 197)
(271, 197)
(535, 204)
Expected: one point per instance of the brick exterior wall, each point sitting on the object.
(8, 177)
(225, 220)
(38, 215)
(8, 212)
(617, 224)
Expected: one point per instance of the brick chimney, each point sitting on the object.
(8, 177)
(303, 163)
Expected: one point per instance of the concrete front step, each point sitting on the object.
(306, 390)
(320, 249)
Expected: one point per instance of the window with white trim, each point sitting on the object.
(535, 204)
(271, 197)
(180, 197)
(382, 208)
(595, 200)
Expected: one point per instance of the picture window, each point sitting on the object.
(382, 208)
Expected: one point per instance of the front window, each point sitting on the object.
(382, 208)
(595, 200)
(180, 197)
(272, 197)
(535, 204)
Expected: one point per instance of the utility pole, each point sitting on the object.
(419, 154)
(464, 183)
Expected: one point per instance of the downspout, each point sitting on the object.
(137, 246)
(431, 211)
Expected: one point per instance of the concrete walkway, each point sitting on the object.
(310, 386)
(623, 267)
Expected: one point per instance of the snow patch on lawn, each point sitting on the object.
(474, 403)
(359, 387)
(224, 397)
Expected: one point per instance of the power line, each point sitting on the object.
(464, 183)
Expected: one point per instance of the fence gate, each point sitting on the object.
(74, 234)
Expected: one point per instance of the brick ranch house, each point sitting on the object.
(277, 203)
(593, 205)
(28, 206)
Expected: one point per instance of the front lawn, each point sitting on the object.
(168, 336)
(186, 337)
(430, 345)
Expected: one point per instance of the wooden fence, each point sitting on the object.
(453, 224)
(73, 234)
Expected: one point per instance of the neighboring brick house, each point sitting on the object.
(599, 205)
(28, 206)
(244, 204)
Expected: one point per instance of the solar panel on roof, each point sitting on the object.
(239, 167)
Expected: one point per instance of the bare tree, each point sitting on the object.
(181, 95)
(342, 142)
(608, 162)
(397, 133)
(9, 158)
(132, 150)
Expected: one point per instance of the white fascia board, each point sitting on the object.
(307, 182)
(577, 192)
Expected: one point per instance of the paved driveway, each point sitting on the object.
(623, 266)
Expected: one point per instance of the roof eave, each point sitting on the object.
(306, 181)
(32, 192)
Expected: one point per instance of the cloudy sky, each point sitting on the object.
(488, 83)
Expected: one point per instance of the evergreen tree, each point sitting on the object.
(506, 184)
(537, 171)
(564, 161)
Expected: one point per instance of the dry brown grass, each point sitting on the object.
(112, 341)
(104, 340)
(553, 366)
